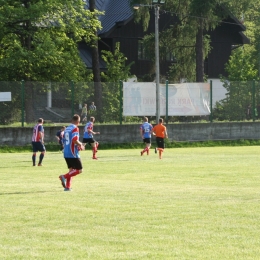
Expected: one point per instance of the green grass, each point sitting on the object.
(138, 145)
(195, 203)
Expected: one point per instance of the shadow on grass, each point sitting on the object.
(27, 192)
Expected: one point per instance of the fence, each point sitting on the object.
(57, 102)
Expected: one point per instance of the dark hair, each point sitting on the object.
(75, 118)
(160, 120)
(40, 120)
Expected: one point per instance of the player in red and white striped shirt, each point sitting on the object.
(38, 142)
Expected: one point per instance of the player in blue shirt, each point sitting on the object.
(72, 146)
(88, 136)
(146, 131)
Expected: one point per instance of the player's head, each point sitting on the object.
(145, 119)
(76, 119)
(92, 119)
(63, 128)
(160, 120)
(40, 120)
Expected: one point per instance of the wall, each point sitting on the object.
(130, 133)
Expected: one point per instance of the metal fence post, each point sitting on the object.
(121, 102)
(253, 101)
(211, 105)
(72, 97)
(22, 108)
(167, 101)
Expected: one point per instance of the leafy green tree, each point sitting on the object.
(39, 41)
(96, 67)
(116, 71)
(242, 68)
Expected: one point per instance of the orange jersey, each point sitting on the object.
(159, 130)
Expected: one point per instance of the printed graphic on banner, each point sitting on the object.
(186, 99)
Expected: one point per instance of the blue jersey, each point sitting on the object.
(71, 134)
(146, 129)
(88, 126)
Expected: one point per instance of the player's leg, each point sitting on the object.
(34, 148)
(144, 150)
(76, 168)
(160, 147)
(94, 146)
(42, 150)
(148, 146)
(34, 158)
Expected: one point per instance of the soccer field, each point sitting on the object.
(195, 203)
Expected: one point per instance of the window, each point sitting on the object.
(141, 51)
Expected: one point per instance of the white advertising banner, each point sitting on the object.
(5, 96)
(186, 99)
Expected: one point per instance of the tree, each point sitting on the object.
(39, 41)
(116, 71)
(96, 68)
(186, 39)
(242, 68)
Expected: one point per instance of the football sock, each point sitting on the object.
(94, 151)
(145, 149)
(41, 158)
(33, 159)
(72, 173)
(68, 182)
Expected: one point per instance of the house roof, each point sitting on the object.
(86, 56)
(116, 12)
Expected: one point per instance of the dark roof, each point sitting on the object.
(116, 12)
(86, 56)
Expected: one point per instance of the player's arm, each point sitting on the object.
(165, 133)
(41, 135)
(153, 131)
(90, 131)
(57, 137)
(142, 133)
(76, 141)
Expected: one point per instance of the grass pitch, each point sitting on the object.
(195, 203)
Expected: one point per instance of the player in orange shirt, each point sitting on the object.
(160, 132)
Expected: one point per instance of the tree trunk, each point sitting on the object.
(199, 54)
(96, 71)
(29, 88)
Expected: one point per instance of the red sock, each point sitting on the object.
(94, 151)
(68, 182)
(145, 149)
(72, 173)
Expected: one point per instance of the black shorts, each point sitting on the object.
(74, 163)
(160, 142)
(88, 141)
(147, 140)
(38, 147)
